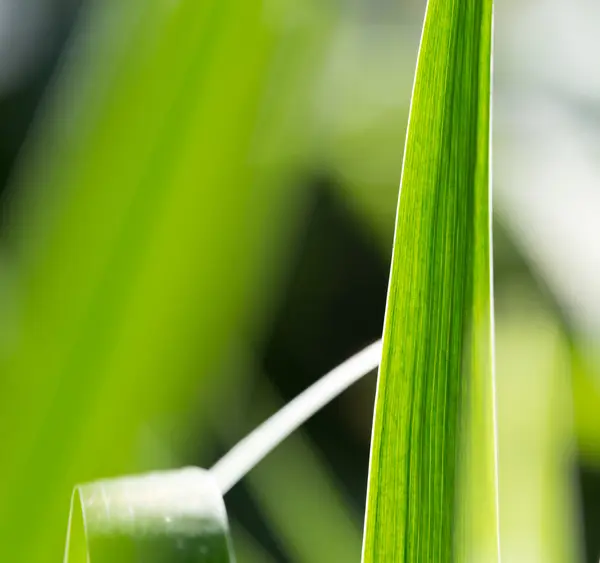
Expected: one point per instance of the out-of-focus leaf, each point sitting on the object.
(166, 517)
(432, 483)
(586, 399)
(538, 496)
(148, 210)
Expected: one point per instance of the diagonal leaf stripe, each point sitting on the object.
(432, 480)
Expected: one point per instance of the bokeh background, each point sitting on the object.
(198, 202)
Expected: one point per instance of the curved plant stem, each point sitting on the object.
(235, 464)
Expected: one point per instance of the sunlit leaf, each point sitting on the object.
(432, 482)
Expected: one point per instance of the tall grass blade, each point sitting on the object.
(432, 484)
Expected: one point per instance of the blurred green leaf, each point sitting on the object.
(586, 399)
(432, 482)
(150, 211)
(538, 499)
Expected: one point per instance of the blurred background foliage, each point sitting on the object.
(198, 201)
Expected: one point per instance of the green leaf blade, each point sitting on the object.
(434, 422)
(161, 517)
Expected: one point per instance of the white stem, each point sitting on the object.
(236, 463)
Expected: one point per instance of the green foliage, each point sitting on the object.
(432, 482)
(586, 395)
(536, 441)
(150, 204)
(150, 211)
